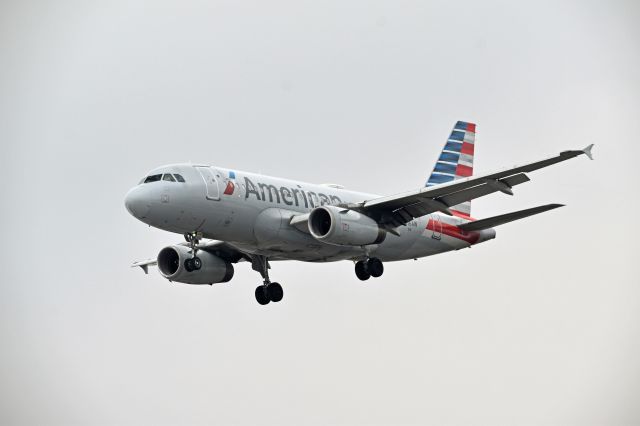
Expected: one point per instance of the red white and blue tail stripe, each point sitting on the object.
(456, 161)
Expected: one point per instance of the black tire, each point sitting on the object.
(188, 265)
(196, 262)
(361, 271)
(261, 295)
(374, 267)
(275, 292)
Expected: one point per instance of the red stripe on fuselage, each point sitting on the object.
(453, 231)
(462, 215)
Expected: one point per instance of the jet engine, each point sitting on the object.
(213, 270)
(344, 227)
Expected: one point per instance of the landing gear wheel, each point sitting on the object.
(361, 271)
(261, 295)
(196, 262)
(188, 265)
(268, 292)
(374, 267)
(275, 292)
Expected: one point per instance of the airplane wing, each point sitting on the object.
(223, 250)
(396, 210)
(144, 264)
(219, 248)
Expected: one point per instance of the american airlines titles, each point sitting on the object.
(289, 196)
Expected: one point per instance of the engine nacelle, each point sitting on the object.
(343, 227)
(214, 270)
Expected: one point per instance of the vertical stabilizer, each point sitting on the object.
(456, 161)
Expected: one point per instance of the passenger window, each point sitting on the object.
(179, 178)
(153, 178)
(168, 177)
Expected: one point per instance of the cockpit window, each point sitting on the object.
(153, 178)
(168, 177)
(179, 178)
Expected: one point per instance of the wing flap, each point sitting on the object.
(482, 190)
(491, 222)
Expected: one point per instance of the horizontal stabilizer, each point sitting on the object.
(490, 222)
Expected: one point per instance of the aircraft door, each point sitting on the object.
(211, 180)
(436, 227)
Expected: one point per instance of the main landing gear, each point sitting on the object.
(194, 263)
(267, 292)
(371, 267)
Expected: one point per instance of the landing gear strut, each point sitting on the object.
(371, 267)
(194, 263)
(268, 291)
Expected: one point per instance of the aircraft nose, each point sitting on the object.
(137, 202)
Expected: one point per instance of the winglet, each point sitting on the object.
(587, 151)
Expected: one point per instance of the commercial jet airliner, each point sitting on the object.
(229, 216)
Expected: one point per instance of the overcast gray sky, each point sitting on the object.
(540, 326)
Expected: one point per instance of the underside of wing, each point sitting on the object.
(224, 251)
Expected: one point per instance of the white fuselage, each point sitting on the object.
(252, 212)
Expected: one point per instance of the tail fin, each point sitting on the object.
(456, 161)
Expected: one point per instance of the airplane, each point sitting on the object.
(228, 216)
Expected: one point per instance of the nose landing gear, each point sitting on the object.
(371, 267)
(194, 263)
(268, 291)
